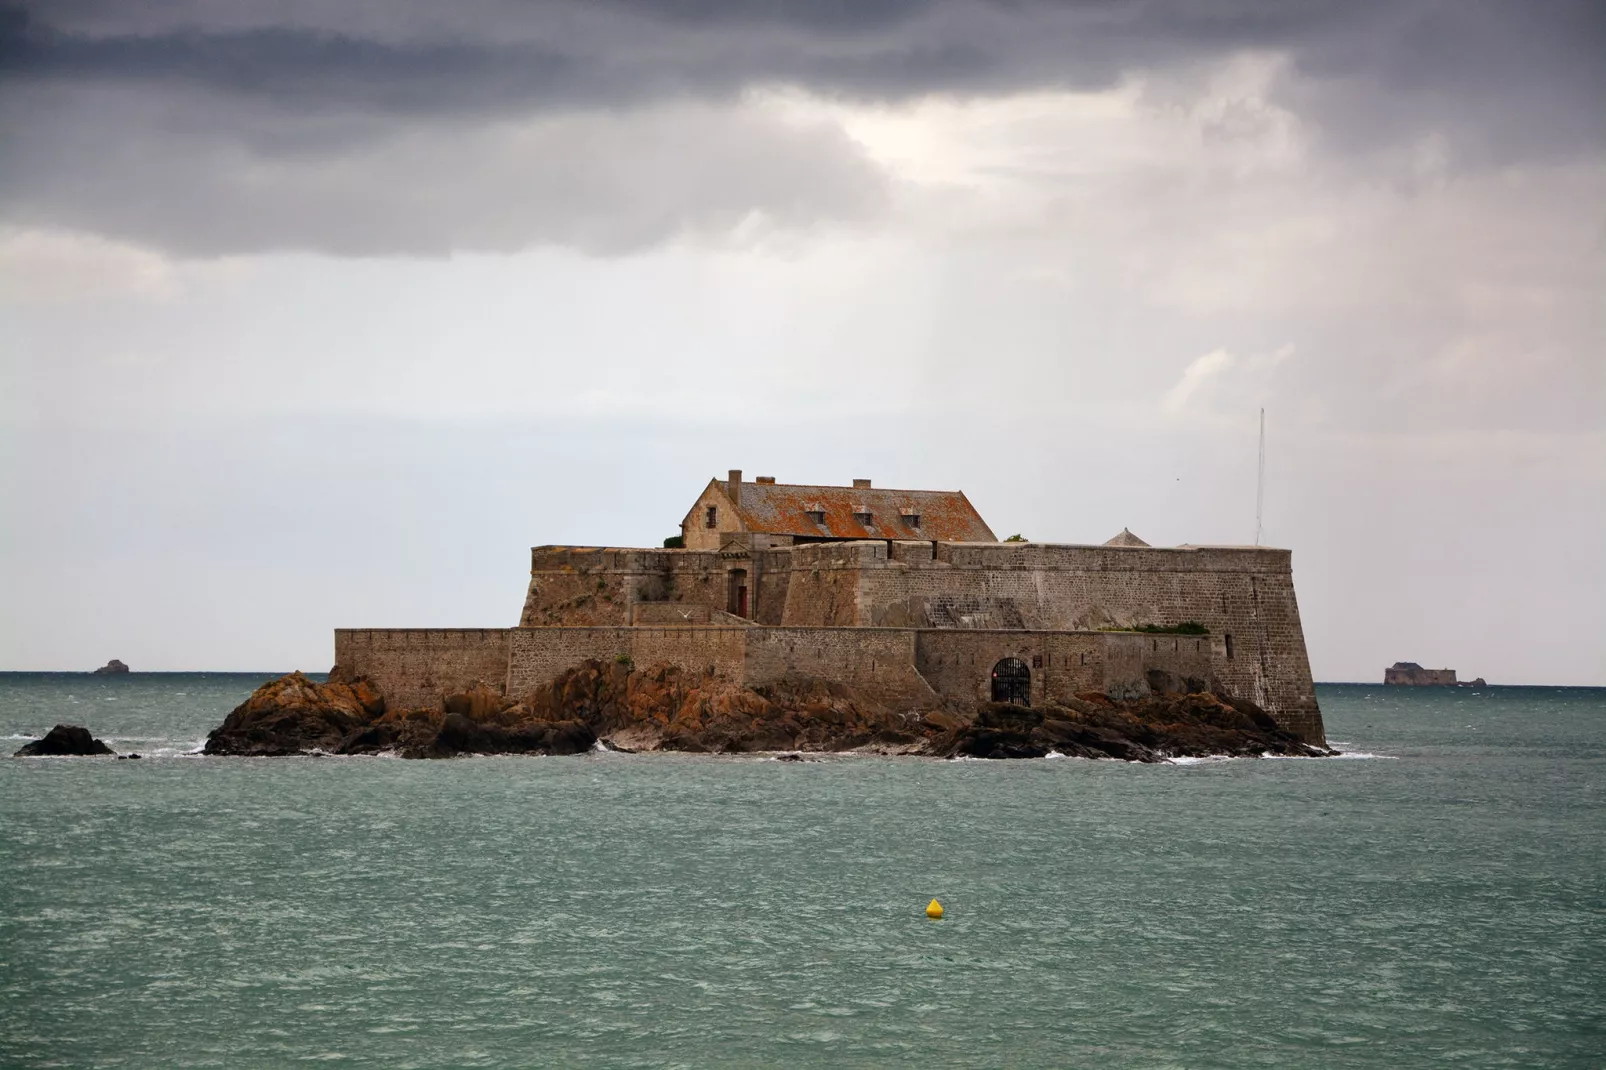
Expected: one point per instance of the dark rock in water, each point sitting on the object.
(294, 715)
(127, 757)
(1147, 730)
(460, 735)
(110, 668)
(64, 740)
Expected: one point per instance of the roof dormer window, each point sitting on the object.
(863, 518)
(912, 519)
(817, 515)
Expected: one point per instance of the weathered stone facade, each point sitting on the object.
(918, 622)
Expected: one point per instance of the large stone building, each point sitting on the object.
(906, 595)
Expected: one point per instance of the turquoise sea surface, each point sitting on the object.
(1437, 897)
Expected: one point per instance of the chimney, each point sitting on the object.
(733, 487)
(763, 479)
(861, 484)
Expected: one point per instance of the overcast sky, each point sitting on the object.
(319, 315)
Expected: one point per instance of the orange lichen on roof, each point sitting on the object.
(784, 509)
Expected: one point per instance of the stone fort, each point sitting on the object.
(906, 595)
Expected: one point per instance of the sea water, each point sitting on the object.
(1435, 898)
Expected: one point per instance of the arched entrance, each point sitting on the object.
(1012, 682)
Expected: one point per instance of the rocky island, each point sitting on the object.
(668, 708)
(791, 617)
(111, 668)
(1410, 674)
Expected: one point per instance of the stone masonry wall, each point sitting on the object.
(878, 661)
(414, 667)
(537, 655)
(905, 667)
(596, 586)
(826, 584)
(959, 664)
(1245, 597)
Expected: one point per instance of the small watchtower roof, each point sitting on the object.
(1126, 538)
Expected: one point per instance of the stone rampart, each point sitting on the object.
(537, 655)
(878, 661)
(415, 666)
(1243, 596)
(905, 667)
(959, 664)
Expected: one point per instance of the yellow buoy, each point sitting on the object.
(933, 909)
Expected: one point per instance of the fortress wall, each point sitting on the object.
(537, 655)
(826, 584)
(958, 663)
(414, 667)
(1247, 594)
(596, 586)
(668, 614)
(1130, 660)
(774, 569)
(880, 661)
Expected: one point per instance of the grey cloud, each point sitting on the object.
(227, 180)
(199, 127)
(1427, 60)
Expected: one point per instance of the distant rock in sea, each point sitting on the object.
(65, 740)
(1410, 674)
(112, 667)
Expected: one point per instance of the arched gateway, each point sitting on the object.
(1012, 682)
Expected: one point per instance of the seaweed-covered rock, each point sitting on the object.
(65, 741)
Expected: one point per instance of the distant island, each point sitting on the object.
(1410, 674)
(111, 668)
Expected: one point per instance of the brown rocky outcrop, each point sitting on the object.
(294, 715)
(64, 740)
(111, 668)
(663, 707)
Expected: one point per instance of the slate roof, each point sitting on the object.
(784, 508)
(1126, 538)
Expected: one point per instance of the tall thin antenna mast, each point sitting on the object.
(1260, 478)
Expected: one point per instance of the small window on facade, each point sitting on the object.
(1229, 646)
(863, 518)
(711, 517)
(1037, 661)
(817, 515)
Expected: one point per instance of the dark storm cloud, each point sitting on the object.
(1427, 58)
(206, 102)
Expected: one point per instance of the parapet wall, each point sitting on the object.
(416, 666)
